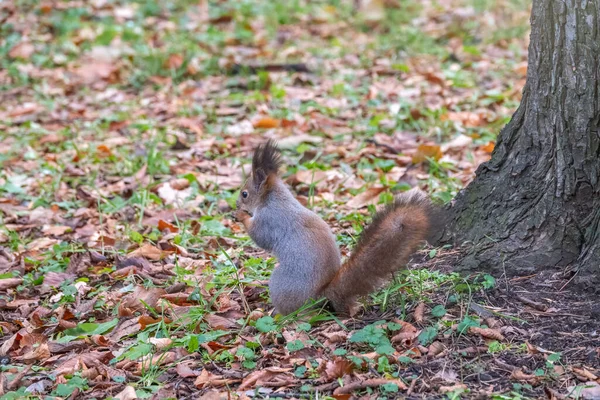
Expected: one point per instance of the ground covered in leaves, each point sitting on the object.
(126, 128)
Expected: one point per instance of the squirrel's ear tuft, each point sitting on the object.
(266, 161)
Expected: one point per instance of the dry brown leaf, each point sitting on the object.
(126, 394)
(208, 379)
(488, 148)
(218, 322)
(157, 359)
(162, 225)
(407, 334)
(174, 61)
(266, 123)
(436, 348)
(274, 376)
(24, 109)
(291, 142)
(56, 230)
(368, 197)
(148, 251)
(75, 363)
(488, 333)
(362, 384)
(338, 367)
(425, 151)
(467, 118)
(22, 50)
(10, 283)
(184, 370)
(453, 388)
(161, 343)
(519, 375)
(584, 374)
(142, 298)
(310, 177)
(419, 313)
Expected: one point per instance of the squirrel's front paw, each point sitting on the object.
(241, 215)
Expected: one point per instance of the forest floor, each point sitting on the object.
(124, 130)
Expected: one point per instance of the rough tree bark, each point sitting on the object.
(536, 204)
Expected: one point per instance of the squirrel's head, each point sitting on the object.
(265, 168)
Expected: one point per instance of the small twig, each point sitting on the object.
(531, 303)
(17, 379)
(504, 366)
(412, 386)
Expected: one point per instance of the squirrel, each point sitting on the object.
(309, 259)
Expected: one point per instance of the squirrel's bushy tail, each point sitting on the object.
(383, 248)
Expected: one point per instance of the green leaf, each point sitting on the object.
(428, 335)
(193, 344)
(304, 326)
(64, 389)
(266, 324)
(138, 351)
(438, 311)
(210, 336)
(295, 345)
(245, 353)
(405, 360)
(392, 326)
(554, 357)
(385, 348)
(136, 237)
(390, 388)
(300, 371)
(432, 253)
(92, 328)
(539, 372)
(466, 323)
(488, 281)
(340, 352)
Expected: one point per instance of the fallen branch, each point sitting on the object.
(531, 303)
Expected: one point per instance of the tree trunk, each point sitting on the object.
(536, 204)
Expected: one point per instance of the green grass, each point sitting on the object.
(98, 152)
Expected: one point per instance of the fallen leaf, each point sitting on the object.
(162, 225)
(369, 196)
(291, 142)
(519, 375)
(148, 251)
(274, 376)
(185, 371)
(22, 50)
(208, 379)
(425, 151)
(338, 367)
(56, 230)
(419, 313)
(453, 388)
(487, 333)
(126, 394)
(174, 61)
(488, 148)
(266, 123)
(10, 283)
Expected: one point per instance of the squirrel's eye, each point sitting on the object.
(244, 194)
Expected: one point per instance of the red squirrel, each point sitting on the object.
(309, 258)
